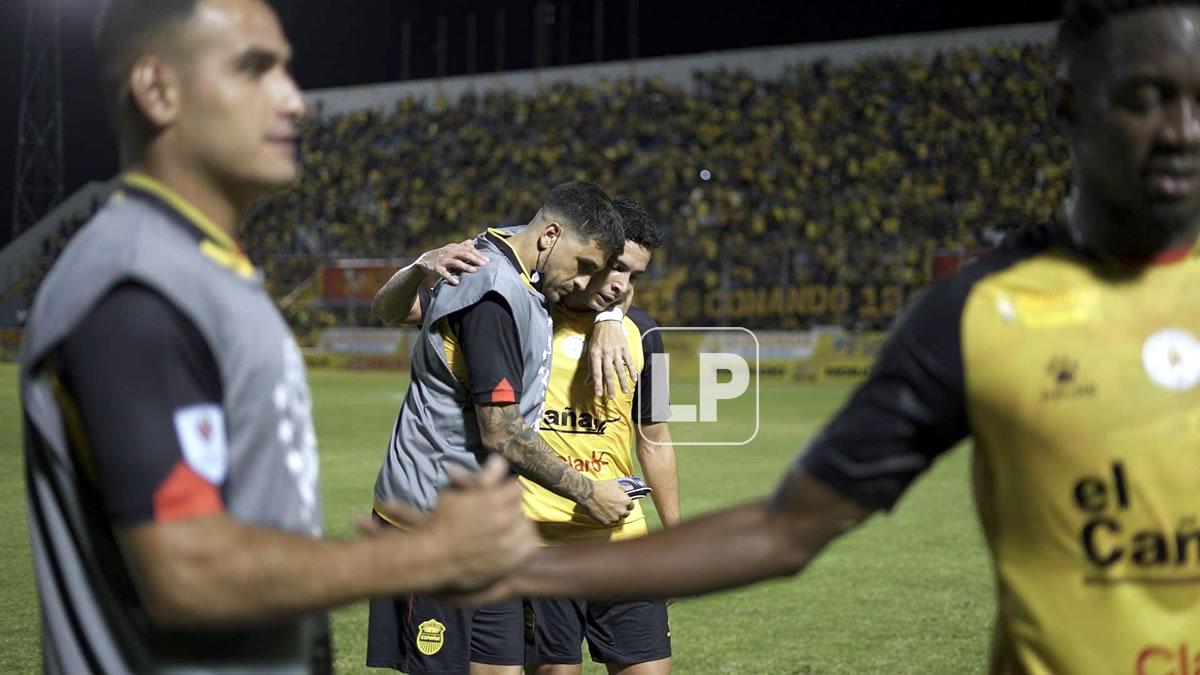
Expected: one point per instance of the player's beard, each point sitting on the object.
(548, 287)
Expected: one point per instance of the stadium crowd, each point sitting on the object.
(847, 176)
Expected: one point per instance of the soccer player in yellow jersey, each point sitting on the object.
(1072, 358)
(595, 435)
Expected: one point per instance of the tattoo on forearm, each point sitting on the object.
(529, 455)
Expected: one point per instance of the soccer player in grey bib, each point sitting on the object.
(479, 378)
(171, 461)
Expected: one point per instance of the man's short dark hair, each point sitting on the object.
(587, 210)
(640, 228)
(124, 30)
(1082, 20)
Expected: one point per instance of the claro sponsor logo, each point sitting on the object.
(1181, 659)
(595, 464)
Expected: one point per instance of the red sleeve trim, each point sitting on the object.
(185, 494)
(503, 393)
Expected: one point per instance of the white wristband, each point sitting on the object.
(614, 314)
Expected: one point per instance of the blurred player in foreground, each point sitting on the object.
(594, 434)
(1071, 356)
(479, 378)
(170, 454)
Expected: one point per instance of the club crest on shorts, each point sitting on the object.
(431, 635)
(1172, 359)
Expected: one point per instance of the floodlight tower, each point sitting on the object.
(38, 180)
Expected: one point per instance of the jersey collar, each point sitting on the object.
(215, 243)
(500, 239)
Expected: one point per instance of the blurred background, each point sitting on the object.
(814, 164)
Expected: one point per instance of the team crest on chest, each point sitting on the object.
(1172, 359)
(572, 346)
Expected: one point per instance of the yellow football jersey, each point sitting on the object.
(594, 435)
(1079, 381)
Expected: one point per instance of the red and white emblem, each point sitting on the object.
(200, 429)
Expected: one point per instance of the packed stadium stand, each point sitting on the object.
(815, 197)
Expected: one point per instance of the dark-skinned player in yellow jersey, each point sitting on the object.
(1087, 480)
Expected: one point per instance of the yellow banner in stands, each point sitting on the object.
(846, 357)
(785, 356)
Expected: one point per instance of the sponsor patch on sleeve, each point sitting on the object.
(200, 429)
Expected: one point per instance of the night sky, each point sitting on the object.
(358, 41)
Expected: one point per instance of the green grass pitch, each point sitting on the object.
(909, 592)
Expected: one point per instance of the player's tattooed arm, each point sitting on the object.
(505, 432)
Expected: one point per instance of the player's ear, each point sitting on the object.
(154, 88)
(550, 234)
